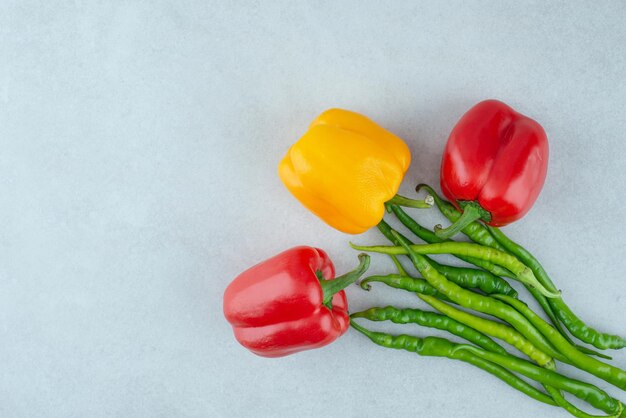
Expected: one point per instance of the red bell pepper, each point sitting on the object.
(290, 302)
(494, 165)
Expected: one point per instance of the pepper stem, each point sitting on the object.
(330, 287)
(412, 203)
(359, 328)
(399, 266)
(471, 212)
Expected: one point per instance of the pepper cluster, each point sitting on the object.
(347, 170)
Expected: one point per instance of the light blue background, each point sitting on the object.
(139, 144)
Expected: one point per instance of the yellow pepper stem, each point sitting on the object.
(412, 203)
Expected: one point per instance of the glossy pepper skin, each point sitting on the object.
(497, 158)
(344, 169)
(277, 307)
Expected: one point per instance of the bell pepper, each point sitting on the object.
(345, 168)
(494, 165)
(290, 302)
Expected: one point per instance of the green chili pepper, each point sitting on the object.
(488, 286)
(547, 308)
(463, 276)
(442, 322)
(472, 278)
(431, 320)
(585, 391)
(602, 370)
(430, 237)
(478, 302)
(398, 281)
(524, 325)
(404, 316)
(477, 232)
(439, 347)
(573, 410)
(485, 326)
(523, 273)
(554, 308)
(575, 325)
(445, 323)
(492, 328)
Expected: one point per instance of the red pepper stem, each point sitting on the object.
(330, 287)
(412, 203)
(471, 213)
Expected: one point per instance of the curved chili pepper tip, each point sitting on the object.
(365, 285)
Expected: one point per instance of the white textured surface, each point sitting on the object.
(139, 143)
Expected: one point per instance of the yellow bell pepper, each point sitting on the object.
(345, 168)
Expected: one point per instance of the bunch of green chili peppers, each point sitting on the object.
(484, 289)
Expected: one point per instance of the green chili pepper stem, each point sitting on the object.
(429, 237)
(470, 214)
(331, 287)
(439, 347)
(523, 273)
(398, 265)
(574, 324)
(602, 370)
(412, 203)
